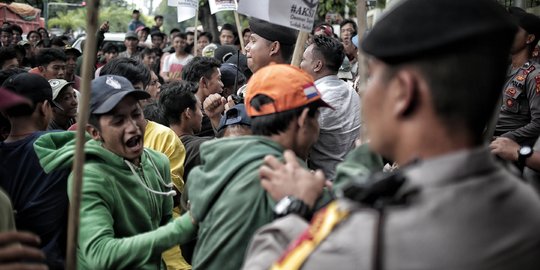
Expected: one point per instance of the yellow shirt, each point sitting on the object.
(163, 139)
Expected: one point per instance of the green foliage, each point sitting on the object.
(335, 6)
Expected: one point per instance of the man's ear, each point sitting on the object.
(530, 38)
(41, 69)
(318, 66)
(202, 82)
(406, 93)
(302, 118)
(44, 108)
(188, 113)
(94, 132)
(275, 47)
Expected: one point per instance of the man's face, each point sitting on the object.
(123, 128)
(214, 85)
(17, 36)
(143, 35)
(226, 37)
(190, 39)
(159, 22)
(157, 40)
(196, 119)
(131, 43)
(71, 63)
(6, 38)
(136, 16)
(149, 59)
(67, 100)
(375, 111)
(179, 44)
(154, 86)
(347, 32)
(258, 52)
(54, 70)
(308, 62)
(11, 63)
(110, 56)
(520, 41)
(201, 43)
(34, 38)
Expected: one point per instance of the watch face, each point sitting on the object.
(525, 150)
(282, 205)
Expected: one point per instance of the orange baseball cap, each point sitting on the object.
(289, 87)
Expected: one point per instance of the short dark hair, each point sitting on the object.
(7, 53)
(93, 120)
(47, 55)
(174, 30)
(447, 72)
(190, 33)
(180, 35)
(58, 41)
(331, 50)
(133, 70)
(17, 28)
(205, 34)
(273, 124)
(109, 47)
(229, 27)
(6, 28)
(346, 21)
(199, 66)
(175, 97)
(153, 112)
(135, 11)
(158, 17)
(245, 31)
(146, 51)
(33, 32)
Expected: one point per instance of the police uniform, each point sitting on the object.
(458, 210)
(519, 117)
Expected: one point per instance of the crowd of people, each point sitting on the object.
(215, 158)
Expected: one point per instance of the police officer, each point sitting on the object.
(451, 205)
(519, 117)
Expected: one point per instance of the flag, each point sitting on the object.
(221, 5)
(296, 14)
(187, 9)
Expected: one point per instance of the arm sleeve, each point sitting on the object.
(100, 247)
(270, 241)
(176, 152)
(166, 64)
(531, 131)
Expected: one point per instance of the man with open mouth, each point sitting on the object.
(126, 206)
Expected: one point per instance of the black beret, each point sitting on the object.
(415, 27)
(527, 21)
(273, 32)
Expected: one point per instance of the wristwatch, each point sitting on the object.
(524, 152)
(292, 205)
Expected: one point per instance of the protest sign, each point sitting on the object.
(296, 14)
(221, 5)
(187, 9)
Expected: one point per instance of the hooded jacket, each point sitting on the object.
(227, 199)
(122, 224)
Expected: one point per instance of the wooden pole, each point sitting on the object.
(195, 31)
(239, 29)
(361, 15)
(299, 48)
(89, 58)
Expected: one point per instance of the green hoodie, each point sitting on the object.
(227, 199)
(122, 225)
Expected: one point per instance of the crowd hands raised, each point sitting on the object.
(216, 158)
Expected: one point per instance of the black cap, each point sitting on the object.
(236, 115)
(240, 60)
(273, 32)
(228, 74)
(527, 21)
(223, 52)
(109, 90)
(414, 27)
(31, 86)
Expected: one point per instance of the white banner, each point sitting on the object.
(187, 9)
(221, 5)
(296, 14)
(172, 3)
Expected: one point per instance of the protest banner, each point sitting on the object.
(296, 14)
(89, 58)
(186, 9)
(222, 5)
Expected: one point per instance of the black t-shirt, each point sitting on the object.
(39, 199)
(206, 129)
